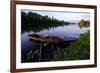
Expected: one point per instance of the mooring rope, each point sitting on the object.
(40, 51)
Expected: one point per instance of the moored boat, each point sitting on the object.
(49, 39)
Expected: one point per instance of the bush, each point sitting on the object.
(78, 50)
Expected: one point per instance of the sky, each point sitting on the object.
(63, 15)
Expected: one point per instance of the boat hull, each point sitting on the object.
(49, 39)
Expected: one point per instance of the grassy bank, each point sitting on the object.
(78, 50)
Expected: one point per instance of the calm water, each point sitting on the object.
(69, 32)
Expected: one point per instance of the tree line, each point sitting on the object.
(37, 22)
(84, 23)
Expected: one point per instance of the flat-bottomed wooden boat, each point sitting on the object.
(49, 39)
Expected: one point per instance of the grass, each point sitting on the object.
(78, 50)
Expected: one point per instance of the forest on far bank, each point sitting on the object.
(36, 22)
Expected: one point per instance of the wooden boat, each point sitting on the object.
(48, 39)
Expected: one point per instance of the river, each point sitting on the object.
(70, 32)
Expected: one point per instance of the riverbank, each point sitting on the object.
(78, 50)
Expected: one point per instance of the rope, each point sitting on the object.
(40, 51)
